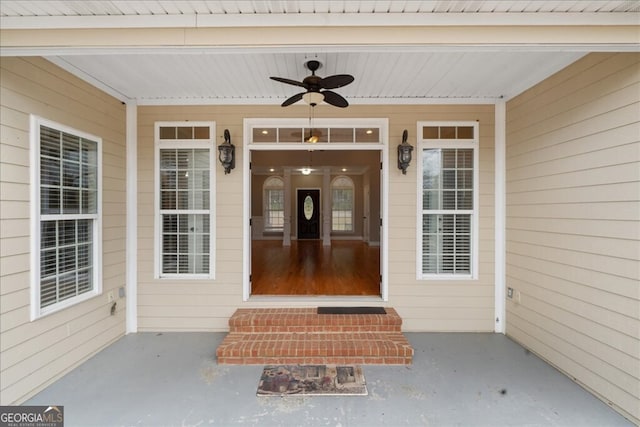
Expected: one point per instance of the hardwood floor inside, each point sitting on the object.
(309, 268)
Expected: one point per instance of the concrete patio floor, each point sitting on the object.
(462, 379)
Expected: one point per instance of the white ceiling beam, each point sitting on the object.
(320, 20)
(321, 49)
(352, 101)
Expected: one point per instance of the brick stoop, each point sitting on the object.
(301, 336)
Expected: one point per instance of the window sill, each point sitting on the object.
(39, 313)
(447, 277)
(188, 277)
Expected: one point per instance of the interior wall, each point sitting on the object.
(362, 166)
(188, 305)
(304, 182)
(34, 354)
(573, 224)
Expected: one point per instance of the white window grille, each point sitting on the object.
(342, 204)
(66, 216)
(184, 186)
(448, 174)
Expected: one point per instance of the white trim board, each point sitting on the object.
(132, 218)
(500, 218)
(243, 20)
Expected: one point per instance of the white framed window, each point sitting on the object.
(342, 204)
(448, 200)
(66, 218)
(273, 204)
(184, 206)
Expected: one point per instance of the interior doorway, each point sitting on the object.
(307, 210)
(308, 213)
(310, 232)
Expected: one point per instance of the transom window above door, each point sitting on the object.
(302, 134)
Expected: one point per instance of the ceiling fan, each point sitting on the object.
(318, 87)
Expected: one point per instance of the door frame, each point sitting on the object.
(383, 146)
(366, 214)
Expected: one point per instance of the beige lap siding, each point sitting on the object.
(187, 305)
(573, 224)
(34, 354)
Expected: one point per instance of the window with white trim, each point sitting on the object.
(342, 204)
(273, 190)
(184, 205)
(448, 199)
(66, 216)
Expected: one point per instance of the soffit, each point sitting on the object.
(25, 8)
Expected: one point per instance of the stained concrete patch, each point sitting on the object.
(379, 390)
(286, 405)
(413, 393)
(211, 372)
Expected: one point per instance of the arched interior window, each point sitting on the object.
(273, 202)
(342, 204)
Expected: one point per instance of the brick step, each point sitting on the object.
(315, 348)
(302, 336)
(307, 320)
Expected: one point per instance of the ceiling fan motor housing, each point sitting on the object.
(313, 65)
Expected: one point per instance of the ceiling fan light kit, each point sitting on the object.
(313, 98)
(312, 138)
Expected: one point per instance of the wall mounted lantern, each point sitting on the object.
(227, 153)
(404, 153)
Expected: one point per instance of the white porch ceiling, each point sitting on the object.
(380, 76)
(383, 74)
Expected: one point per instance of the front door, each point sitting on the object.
(308, 214)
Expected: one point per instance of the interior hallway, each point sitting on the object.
(465, 379)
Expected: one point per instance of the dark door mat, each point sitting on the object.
(351, 310)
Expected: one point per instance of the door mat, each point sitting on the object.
(310, 380)
(351, 310)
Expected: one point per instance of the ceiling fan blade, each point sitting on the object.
(289, 81)
(334, 82)
(334, 99)
(295, 98)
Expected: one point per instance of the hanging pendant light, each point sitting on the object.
(312, 138)
(307, 170)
